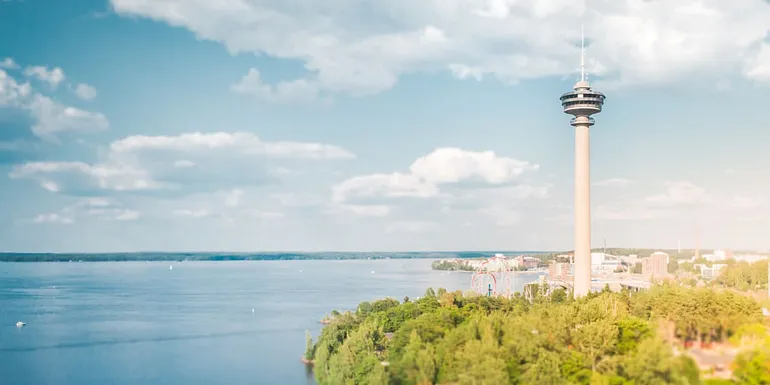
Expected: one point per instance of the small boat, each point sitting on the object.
(20, 324)
(171, 267)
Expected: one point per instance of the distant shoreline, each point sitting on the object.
(149, 256)
(217, 257)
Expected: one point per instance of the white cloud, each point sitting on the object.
(9, 63)
(463, 186)
(54, 118)
(78, 175)
(141, 163)
(49, 186)
(53, 218)
(613, 182)
(680, 193)
(11, 92)
(241, 142)
(630, 41)
(291, 91)
(85, 91)
(53, 76)
(443, 166)
(758, 67)
(51, 118)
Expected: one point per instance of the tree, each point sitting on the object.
(653, 364)
(309, 347)
(636, 268)
(596, 340)
(753, 367)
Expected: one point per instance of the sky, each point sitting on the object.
(389, 125)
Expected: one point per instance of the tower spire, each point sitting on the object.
(582, 53)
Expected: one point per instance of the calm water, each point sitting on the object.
(141, 323)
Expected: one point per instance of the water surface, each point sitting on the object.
(143, 323)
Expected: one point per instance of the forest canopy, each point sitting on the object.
(605, 338)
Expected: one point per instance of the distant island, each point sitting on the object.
(256, 256)
(667, 335)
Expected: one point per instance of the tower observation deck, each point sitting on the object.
(581, 103)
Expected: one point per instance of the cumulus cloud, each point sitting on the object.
(291, 91)
(85, 91)
(239, 142)
(9, 63)
(630, 41)
(152, 163)
(461, 184)
(12, 93)
(54, 118)
(50, 117)
(443, 166)
(53, 76)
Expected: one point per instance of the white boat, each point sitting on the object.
(20, 324)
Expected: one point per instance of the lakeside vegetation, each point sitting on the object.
(605, 338)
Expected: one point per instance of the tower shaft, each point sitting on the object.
(582, 277)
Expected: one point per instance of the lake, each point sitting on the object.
(114, 323)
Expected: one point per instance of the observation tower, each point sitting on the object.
(582, 102)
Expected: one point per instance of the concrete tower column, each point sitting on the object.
(581, 103)
(582, 279)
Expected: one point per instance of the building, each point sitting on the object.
(522, 262)
(709, 273)
(717, 255)
(560, 271)
(582, 102)
(604, 263)
(655, 265)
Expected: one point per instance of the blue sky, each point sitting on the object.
(250, 125)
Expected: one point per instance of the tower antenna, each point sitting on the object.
(582, 53)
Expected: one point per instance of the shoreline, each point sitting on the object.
(252, 256)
